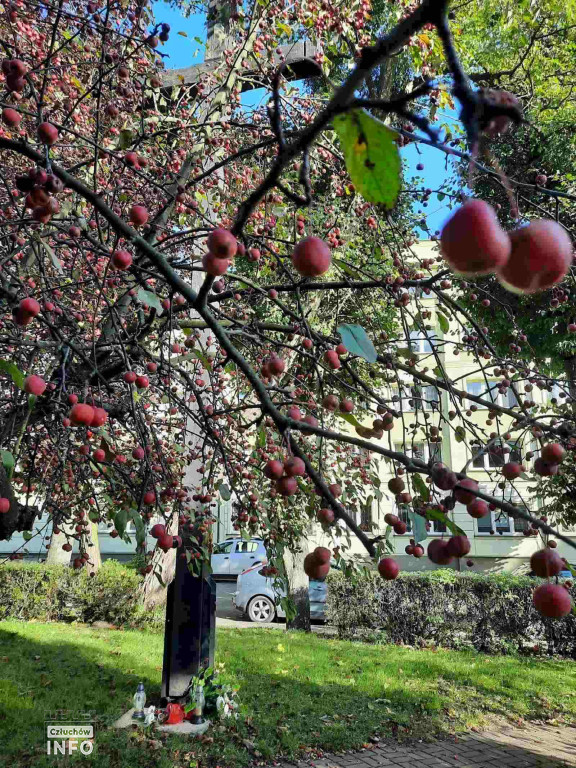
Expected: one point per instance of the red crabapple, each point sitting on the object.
(388, 568)
(541, 257)
(214, 266)
(222, 244)
(34, 385)
(138, 215)
(81, 413)
(552, 600)
(473, 242)
(11, 117)
(311, 257)
(552, 453)
(121, 260)
(48, 134)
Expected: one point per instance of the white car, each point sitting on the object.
(232, 556)
(256, 598)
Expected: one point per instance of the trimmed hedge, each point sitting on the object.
(491, 613)
(32, 591)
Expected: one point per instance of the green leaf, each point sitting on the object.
(419, 531)
(420, 487)
(14, 372)
(347, 268)
(371, 155)
(206, 362)
(125, 138)
(460, 434)
(27, 535)
(261, 442)
(403, 352)
(150, 299)
(120, 520)
(225, 492)
(443, 322)
(356, 341)
(435, 514)
(53, 258)
(139, 525)
(350, 418)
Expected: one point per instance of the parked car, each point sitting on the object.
(256, 598)
(231, 557)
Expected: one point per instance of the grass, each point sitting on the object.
(297, 692)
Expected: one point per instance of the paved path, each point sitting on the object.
(507, 747)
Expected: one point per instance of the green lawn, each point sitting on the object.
(297, 691)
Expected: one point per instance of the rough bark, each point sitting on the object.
(152, 591)
(570, 370)
(92, 546)
(298, 586)
(56, 555)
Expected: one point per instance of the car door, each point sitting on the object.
(220, 559)
(243, 556)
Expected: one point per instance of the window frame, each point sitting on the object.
(494, 514)
(419, 340)
(401, 510)
(487, 466)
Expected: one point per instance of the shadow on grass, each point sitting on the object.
(303, 696)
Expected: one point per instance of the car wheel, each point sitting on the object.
(261, 609)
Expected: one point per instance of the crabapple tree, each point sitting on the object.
(185, 280)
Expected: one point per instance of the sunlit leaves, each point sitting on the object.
(371, 155)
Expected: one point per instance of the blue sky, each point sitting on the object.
(184, 51)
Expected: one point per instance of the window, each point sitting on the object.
(403, 399)
(423, 342)
(431, 398)
(556, 395)
(223, 549)
(366, 517)
(498, 520)
(486, 390)
(496, 456)
(246, 546)
(510, 399)
(403, 512)
(425, 451)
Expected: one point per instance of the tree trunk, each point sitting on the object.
(570, 370)
(56, 555)
(152, 591)
(298, 586)
(92, 546)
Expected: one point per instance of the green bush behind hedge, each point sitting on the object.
(33, 591)
(491, 613)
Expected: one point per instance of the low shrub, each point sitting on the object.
(36, 592)
(491, 613)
